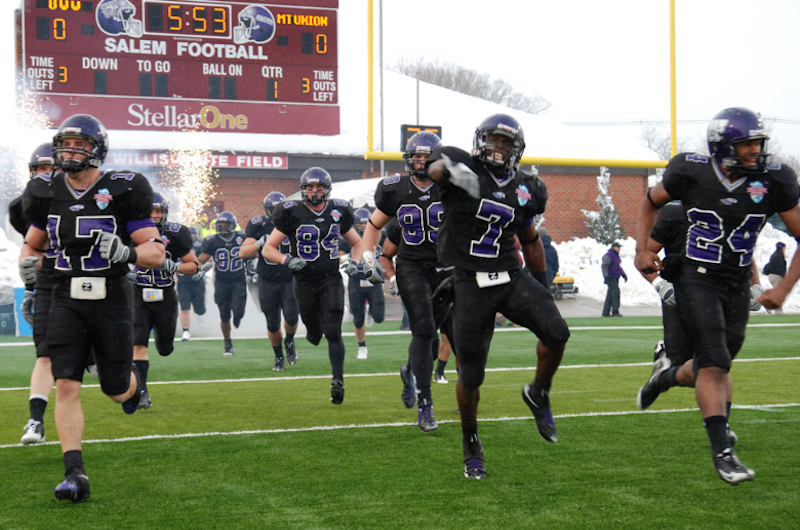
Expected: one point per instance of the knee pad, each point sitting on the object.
(332, 333)
(558, 332)
(471, 377)
(426, 328)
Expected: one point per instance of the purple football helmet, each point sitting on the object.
(115, 17)
(42, 156)
(160, 203)
(271, 200)
(422, 143)
(90, 129)
(501, 125)
(361, 216)
(226, 223)
(315, 175)
(256, 24)
(731, 126)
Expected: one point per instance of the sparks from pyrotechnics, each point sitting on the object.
(190, 174)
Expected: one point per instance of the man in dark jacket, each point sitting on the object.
(612, 270)
(550, 255)
(775, 270)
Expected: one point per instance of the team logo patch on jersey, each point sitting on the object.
(499, 195)
(757, 191)
(336, 215)
(523, 194)
(102, 198)
(239, 240)
(76, 208)
(728, 201)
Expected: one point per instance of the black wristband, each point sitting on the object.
(131, 256)
(651, 201)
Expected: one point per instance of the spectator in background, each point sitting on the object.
(775, 270)
(612, 271)
(550, 255)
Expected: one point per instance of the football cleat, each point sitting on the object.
(228, 348)
(186, 336)
(34, 433)
(291, 351)
(652, 388)
(74, 488)
(145, 402)
(540, 407)
(730, 469)
(337, 391)
(473, 458)
(409, 394)
(425, 420)
(659, 349)
(278, 366)
(132, 405)
(440, 378)
(362, 352)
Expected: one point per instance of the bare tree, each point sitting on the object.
(656, 138)
(471, 82)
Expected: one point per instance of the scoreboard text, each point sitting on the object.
(203, 65)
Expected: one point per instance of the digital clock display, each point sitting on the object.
(207, 65)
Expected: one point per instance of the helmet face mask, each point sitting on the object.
(160, 204)
(422, 144)
(226, 223)
(270, 201)
(312, 177)
(94, 147)
(42, 158)
(734, 126)
(490, 149)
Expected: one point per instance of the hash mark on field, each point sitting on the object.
(378, 425)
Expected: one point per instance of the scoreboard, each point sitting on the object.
(210, 65)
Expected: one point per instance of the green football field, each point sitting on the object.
(229, 443)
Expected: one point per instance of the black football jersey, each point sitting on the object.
(478, 234)
(17, 217)
(119, 202)
(228, 266)
(724, 218)
(20, 219)
(670, 230)
(272, 272)
(393, 232)
(314, 236)
(177, 243)
(419, 214)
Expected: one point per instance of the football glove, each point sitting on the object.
(112, 248)
(27, 306)
(350, 268)
(27, 270)
(261, 242)
(394, 290)
(132, 277)
(755, 291)
(665, 290)
(207, 266)
(373, 270)
(445, 292)
(463, 177)
(198, 276)
(170, 266)
(294, 263)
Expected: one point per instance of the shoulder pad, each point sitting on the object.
(696, 158)
(774, 165)
(394, 179)
(340, 202)
(172, 227)
(39, 186)
(289, 204)
(258, 219)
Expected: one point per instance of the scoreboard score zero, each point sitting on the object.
(166, 66)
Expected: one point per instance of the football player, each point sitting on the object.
(230, 291)
(192, 290)
(314, 226)
(274, 284)
(154, 297)
(361, 292)
(726, 197)
(36, 304)
(413, 199)
(488, 203)
(91, 218)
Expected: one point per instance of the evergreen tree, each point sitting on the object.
(604, 226)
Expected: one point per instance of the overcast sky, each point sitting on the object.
(594, 61)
